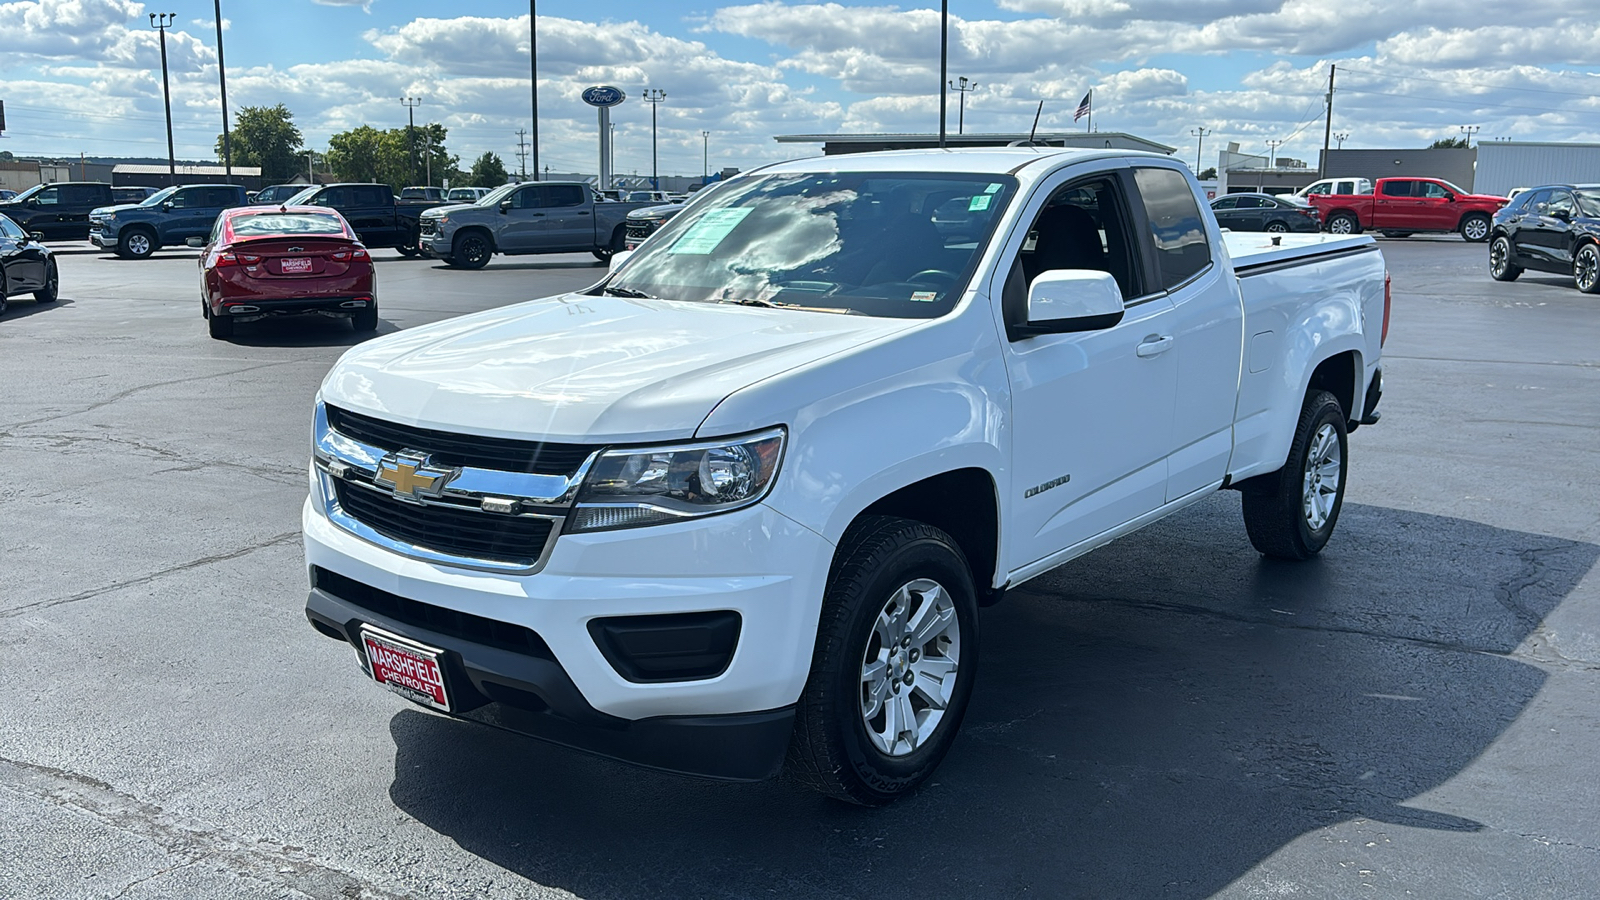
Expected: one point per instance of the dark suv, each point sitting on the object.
(60, 211)
(169, 217)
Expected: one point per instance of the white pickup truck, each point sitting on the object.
(740, 502)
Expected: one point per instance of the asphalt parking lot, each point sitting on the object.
(1411, 715)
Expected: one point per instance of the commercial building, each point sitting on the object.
(1503, 165)
(1453, 164)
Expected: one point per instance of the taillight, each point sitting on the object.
(357, 253)
(226, 260)
(249, 260)
(341, 255)
(360, 253)
(1387, 294)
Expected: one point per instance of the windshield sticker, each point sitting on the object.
(925, 296)
(993, 189)
(704, 236)
(979, 202)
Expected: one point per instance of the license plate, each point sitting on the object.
(405, 667)
(295, 264)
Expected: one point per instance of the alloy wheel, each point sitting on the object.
(1321, 485)
(139, 244)
(1475, 229)
(1277, 228)
(1340, 225)
(1586, 269)
(1499, 256)
(908, 668)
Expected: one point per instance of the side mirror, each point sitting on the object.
(1449, 198)
(1564, 215)
(166, 204)
(505, 206)
(37, 235)
(1063, 301)
(195, 241)
(618, 258)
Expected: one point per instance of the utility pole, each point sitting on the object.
(522, 151)
(533, 70)
(654, 96)
(1199, 147)
(411, 104)
(705, 157)
(222, 79)
(1327, 127)
(1469, 131)
(161, 22)
(1272, 158)
(944, 63)
(962, 89)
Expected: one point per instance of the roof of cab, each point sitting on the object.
(977, 160)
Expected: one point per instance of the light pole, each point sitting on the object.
(653, 96)
(161, 22)
(1199, 147)
(944, 63)
(411, 104)
(533, 70)
(705, 157)
(1272, 157)
(1341, 137)
(1469, 131)
(962, 89)
(222, 79)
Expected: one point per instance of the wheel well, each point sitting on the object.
(489, 235)
(1338, 375)
(961, 503)
(1474, 213)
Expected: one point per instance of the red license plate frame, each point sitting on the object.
(410, 669)
(295, 265)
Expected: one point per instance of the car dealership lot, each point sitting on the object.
(1169, 716)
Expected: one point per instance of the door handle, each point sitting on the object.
(1154, 345)
(538, 215)
(584, 213)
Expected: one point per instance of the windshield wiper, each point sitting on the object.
(628, 292)
(768, 304)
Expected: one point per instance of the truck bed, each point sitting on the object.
(1254, 250)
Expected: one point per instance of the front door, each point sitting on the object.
(522, 218)
(1548, 229)
(1092, 411)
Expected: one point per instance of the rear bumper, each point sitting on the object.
(527, 691)
(249, 310)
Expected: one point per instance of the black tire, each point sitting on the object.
(879, 561)
(408, 250)
(1277, 228)
(220, 327)
(3, 301)
(1501, 268)
(136, 243)
(471, 250)
(1343, 223)
(1586, 268)
(619, 242)
(365, 320)
(1475, 228)
(52, 285)
(1276, 512)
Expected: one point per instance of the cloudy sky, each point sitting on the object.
(84, 75)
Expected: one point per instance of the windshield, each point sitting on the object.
(159, 196)
(1452, 188)
(1589, 202)
(864, 242)
(30, 192)
(498, 194)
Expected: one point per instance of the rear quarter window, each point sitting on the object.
(1177, 232)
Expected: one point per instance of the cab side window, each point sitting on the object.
(185, 199)
(1226, 203)
(1398, 188)
(1560, 202)
(527, 198)
(1084, 225)
(48, 197)
(1432, 191)
(1319, 189)
(558, 195)
(1182, 247)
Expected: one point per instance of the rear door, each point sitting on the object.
(1252, 213)
(371, 212)
(187, 212)
(1547, 230)
(1226, 209)
(569, 217)
(1394, 206)
(1204, 330)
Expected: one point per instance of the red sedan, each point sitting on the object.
(286, 260)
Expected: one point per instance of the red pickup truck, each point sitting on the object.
(1401, 206)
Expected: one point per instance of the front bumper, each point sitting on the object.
(105, 240)
(435, 245)
(754, 562)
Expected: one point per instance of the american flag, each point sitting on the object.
(1083, 107)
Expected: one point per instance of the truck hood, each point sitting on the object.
(434, 212)
(585, 369)
(107, 210)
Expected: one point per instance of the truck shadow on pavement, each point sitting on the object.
(305, 331)
(1155, 719)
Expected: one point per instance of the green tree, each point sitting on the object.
(1209, 174)
(265, 136)
(367, 154)
(1448, 144)
(487, 171)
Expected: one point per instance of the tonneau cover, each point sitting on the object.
(1254, 248)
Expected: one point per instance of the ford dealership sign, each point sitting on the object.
(603, 95)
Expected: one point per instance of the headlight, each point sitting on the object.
(638, 486)
(442, 219)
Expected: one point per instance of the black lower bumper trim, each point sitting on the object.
(535, 697)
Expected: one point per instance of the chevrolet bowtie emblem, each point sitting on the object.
(411, 476)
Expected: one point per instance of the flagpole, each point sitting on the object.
(1090, 126)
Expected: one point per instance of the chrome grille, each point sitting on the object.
(451, 530)
(449, 449)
